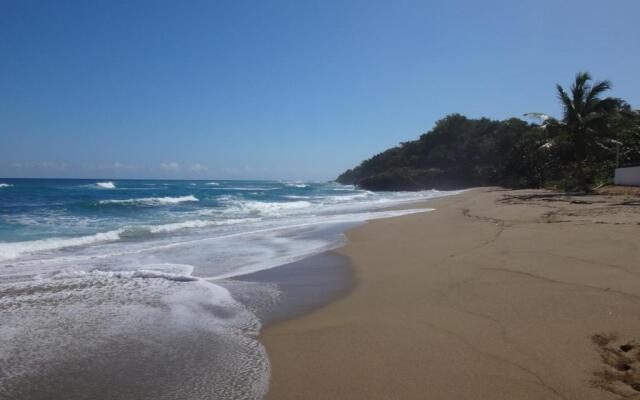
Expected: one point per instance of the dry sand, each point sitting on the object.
(495, 295)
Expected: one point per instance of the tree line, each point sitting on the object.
(575, 153)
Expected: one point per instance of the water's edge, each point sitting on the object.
(180, 313)
(312, 283)
(305, 285)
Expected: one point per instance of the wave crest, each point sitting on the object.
(106, 185)
(13, 250)
(16, 249)
(151, 201)
(161, 272)
(266, 208)
(197, 223)
(296, 185)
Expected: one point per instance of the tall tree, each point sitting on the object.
(585, 123)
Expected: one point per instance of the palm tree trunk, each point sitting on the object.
(581, 177)
(580, 156)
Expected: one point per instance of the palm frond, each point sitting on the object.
(579, 89)
(570, 113)
(598, 88)
(582, 78)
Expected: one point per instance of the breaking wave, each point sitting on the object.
(172, 273)
(106, 185)
(265, 208)
(15, 249)
(296, 185)
(151, 201)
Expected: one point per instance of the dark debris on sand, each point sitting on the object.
(620, 371)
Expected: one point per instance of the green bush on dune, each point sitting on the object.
(576, 152)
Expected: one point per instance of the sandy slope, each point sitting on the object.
(495, 295)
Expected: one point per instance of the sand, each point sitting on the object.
(494, 295)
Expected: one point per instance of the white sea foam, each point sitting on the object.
(213, 183)
(296, 184)
(349, 197)
(152, 201)
(290, 248)
(170, 272)
(345, 188)
(266, 208)
(238, 252)
(295, 197)
(59, 319)
(106, 185)
(198, 223)
(15, 249)
(5, 185)
(249, 189)
(237, 211)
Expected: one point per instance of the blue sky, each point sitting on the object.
(281, 89)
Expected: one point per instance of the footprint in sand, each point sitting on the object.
(620, 372)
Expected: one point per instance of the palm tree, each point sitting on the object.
(584, 126)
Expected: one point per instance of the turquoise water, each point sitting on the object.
(32, 209)
(103, 281)
(50, 224)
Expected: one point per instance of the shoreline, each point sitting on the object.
(486, 298)
(304, 285)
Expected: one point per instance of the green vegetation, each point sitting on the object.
(576, 152)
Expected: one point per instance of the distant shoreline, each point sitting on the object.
(496, 294)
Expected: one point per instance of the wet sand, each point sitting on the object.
(495, 295)
(303, 286)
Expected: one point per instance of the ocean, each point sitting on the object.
(127, 289)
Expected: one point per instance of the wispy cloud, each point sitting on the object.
(199, 168)
(116, 166)
(170, 166)
(47, 165)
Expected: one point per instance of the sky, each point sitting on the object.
(275, 89)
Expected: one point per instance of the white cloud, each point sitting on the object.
(199, 168)
(171, 166)
(50, 165)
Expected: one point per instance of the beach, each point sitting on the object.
(495, 294)
(158, 289)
